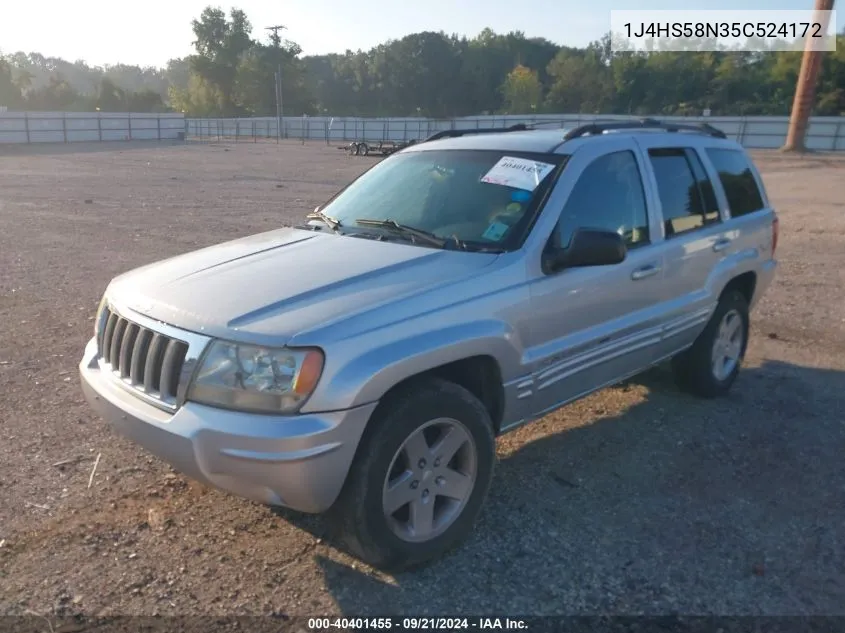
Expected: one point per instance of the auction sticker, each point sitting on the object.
(519, 173)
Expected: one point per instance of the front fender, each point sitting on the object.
(366, 377)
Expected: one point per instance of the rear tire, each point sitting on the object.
(709, 368)
(408, 498)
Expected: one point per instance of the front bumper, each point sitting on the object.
(298, 461)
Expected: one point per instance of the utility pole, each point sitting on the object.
(277, 43)
(805, 90)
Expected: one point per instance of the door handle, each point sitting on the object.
(645, 271)
(721, 244)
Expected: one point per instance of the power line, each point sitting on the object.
(275, 37)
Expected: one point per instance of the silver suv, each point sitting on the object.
(364, 362)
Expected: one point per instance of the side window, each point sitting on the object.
(709, 205)
(686, 194)
(737, 180)
(608, 195)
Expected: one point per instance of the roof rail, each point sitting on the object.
(643, 124)
(519, 127)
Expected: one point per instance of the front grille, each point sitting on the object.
(145, 360)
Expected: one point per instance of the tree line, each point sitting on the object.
(431, 74)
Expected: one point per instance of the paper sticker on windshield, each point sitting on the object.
(519, 173)
(495, 231)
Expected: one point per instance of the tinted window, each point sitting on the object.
(686, 193)
(737, 180)
(710, 208)
(608, 195)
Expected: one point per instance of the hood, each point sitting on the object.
(272, 286)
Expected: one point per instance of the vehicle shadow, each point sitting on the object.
(674, 506)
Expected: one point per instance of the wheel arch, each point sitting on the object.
(745, 283)
(481, 375)
(476, 355)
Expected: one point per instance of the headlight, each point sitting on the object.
(254, 378)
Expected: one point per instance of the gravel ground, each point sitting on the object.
(636, 500)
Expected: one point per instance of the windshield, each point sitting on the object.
(481, 198)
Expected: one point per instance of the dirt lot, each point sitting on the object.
(635, 500)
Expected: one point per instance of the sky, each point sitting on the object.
(149, 32)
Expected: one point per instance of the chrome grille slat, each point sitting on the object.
(126, 347)
(114, 346)
(105, 341)
(142, 359)
(139, 356)
(170, 368)
(152, 371)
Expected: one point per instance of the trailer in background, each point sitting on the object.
(383, 148)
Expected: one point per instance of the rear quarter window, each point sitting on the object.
(686, 195)
(737, 180)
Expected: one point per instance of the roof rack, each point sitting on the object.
(519, 127)
(643, 124)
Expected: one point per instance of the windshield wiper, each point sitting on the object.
(404, 229)
(333, 223)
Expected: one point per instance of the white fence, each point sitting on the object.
(70, 127)
(824, 133)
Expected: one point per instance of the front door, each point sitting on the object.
(592, 326)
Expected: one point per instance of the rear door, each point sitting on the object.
(695, 238)
(591, 326)
(744, 198)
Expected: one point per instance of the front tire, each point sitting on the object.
(710, 367)
(420, 476)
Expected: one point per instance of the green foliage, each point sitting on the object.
(220, 45)
(73, 87)
(198, 98)
(10, 92)
(478, 76)
(424, 74)
(522, 90)
(58, 95)
(255, 86)
(580, 82)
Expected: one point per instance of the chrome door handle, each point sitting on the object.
(645, 271)
(721, 244)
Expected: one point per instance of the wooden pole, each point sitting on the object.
(805, 90)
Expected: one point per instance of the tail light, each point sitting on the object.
(775, 231)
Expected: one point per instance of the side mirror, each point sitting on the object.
(589, 247)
